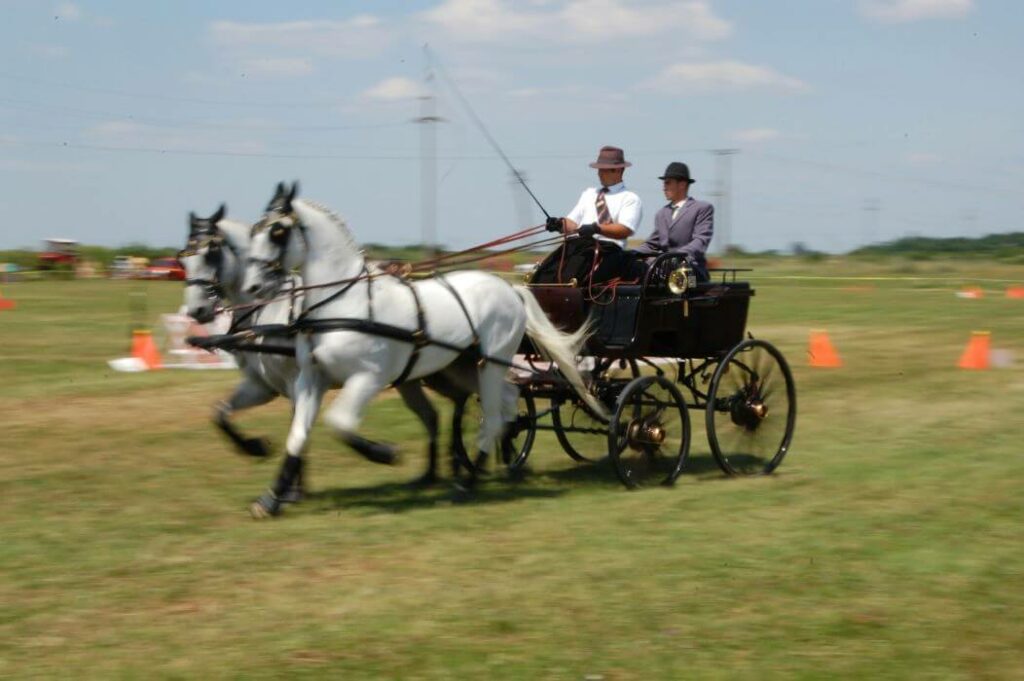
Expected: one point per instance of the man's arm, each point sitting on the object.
(628, 220)
(703, 230)
(650, 247)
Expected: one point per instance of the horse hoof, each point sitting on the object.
(266, 506)
(257, 447)
(461, 493)
(383, 454)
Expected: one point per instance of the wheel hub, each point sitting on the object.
(749, 412)
(642, 433)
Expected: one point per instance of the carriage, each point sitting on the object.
(660, 348)
(652, 351)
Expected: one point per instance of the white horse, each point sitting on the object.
(214, 260)
(461, 330)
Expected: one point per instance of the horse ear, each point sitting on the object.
(192, 222)
(219, 215)
(295, 191)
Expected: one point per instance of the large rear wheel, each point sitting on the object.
(751, 411)
(649, 437)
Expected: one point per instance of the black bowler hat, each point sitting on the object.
(677, 171)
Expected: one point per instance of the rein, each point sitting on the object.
(446, 262)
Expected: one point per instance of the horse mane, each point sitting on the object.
(338, 222)
(236, 232)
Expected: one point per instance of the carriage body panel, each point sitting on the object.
(706, 321)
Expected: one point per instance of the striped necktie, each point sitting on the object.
(603, 216)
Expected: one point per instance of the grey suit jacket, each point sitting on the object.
(690, 233)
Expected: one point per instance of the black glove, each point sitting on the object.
(588, 231)
(554, 225)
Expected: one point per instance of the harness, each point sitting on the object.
(417, 337)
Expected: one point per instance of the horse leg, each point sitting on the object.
(346, 412)
(458, 453)
(417, 400)
(249, 393)
(492, 382)
(309, 393)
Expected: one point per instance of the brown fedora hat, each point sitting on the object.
(610, 157)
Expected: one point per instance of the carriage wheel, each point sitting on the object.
(519, 435)
(751, 409)
(649, 437)
(584, 436)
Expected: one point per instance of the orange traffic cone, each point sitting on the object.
(821, 352)
(6, 304)
(976, 354)
(144, 348)
(1015, 292)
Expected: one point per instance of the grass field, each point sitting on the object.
(888, 545)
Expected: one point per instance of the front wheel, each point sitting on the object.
(751, 410)
(515, 444)
(649, 437)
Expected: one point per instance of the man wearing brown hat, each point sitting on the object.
(685, 225)
(597, 228)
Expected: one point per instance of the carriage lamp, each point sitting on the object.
(681, 280)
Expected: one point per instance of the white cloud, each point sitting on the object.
(67, 11)
(392, 89)
(755, 135)
(721, 76)
(358, 37)
(900, 11)
(276, 67)
(586, 21)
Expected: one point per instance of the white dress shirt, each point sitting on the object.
(623, 205)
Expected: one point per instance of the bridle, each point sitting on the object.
(280, 236)
(214, 244)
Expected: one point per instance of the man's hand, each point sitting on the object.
(554, 225)
(588, 231)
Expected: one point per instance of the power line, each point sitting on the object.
(173, 123)
(164, 97)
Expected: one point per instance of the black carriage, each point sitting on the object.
(659, 349)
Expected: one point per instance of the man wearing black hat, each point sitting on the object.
(685, 225)
(597, 228)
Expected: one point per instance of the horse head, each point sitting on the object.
(275, 248)
(211, 259)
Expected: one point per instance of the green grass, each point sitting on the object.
(888, 545)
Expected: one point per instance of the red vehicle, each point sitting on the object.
(59, 253)
(165, 268)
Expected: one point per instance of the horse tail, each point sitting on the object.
(559, 347)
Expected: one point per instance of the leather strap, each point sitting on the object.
(419, 336)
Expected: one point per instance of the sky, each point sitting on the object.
(848, 121)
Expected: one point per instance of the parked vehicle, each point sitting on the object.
(165, 268)
(58, 254)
